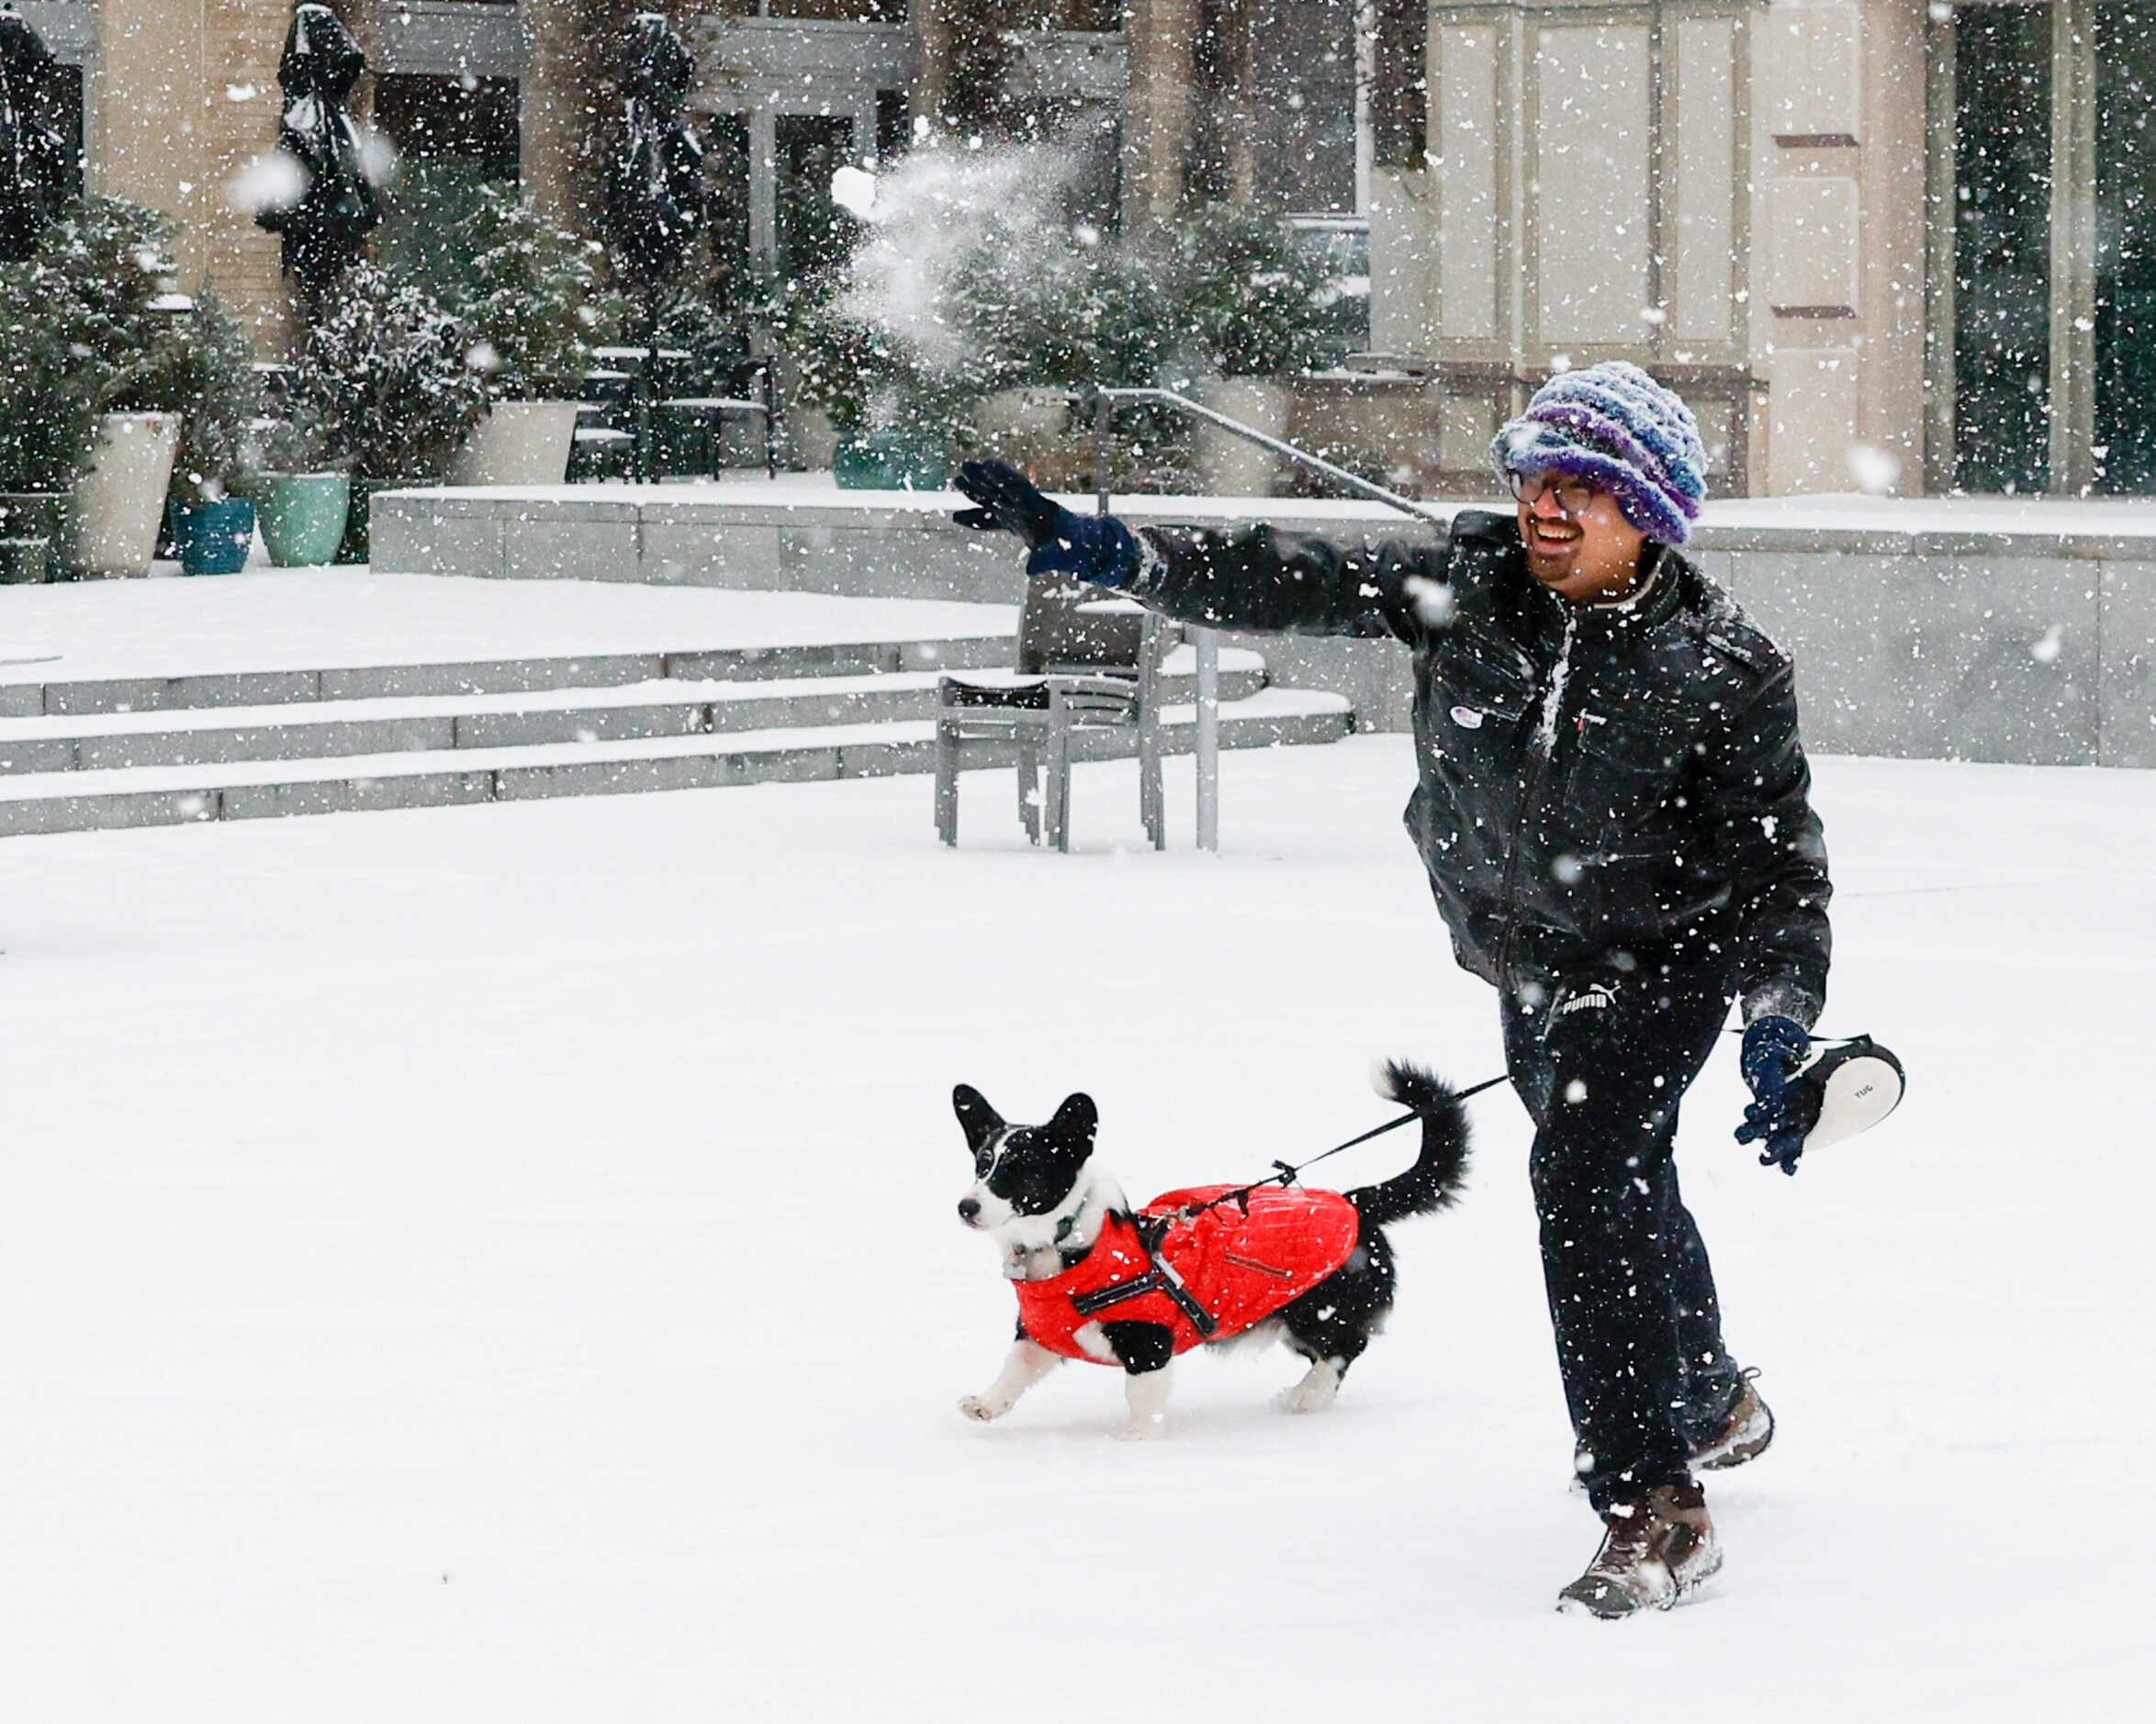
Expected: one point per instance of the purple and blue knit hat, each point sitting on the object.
(1614, 424)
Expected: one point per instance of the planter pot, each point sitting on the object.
(1227, 465)
(814, 437)
(519, 442)
(892, 461)
(303, 518)
(116, 505)
(214, 538)
(36, 515)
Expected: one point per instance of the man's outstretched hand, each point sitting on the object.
(1097, 548)
(1004, 497)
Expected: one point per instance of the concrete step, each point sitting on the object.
(420, 723)
(505, 675)
(93, 799)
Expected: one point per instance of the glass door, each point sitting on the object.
(2123, 445)
(2002, 248)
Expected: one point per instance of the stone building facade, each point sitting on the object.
(1895, 244)
(1732, 193)
(175, 96)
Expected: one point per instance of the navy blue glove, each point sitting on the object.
(1097, 548)
(1773, 1048)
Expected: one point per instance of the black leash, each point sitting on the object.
(1285, 1175)
(1838, 1041)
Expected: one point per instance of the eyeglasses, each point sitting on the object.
(1575, 496)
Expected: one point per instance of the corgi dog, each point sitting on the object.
(1101, 1280)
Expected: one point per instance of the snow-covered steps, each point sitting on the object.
(302, 730)
(90, 798)
(82, 698)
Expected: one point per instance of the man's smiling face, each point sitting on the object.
(1585, 552)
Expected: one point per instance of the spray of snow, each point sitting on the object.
(2047, 648)
(931, 217)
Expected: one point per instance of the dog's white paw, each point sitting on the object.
(1141, 1431)
(1314, 1394)
(980, 1408)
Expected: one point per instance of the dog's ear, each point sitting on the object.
(1074, 1124)
(980, 1121)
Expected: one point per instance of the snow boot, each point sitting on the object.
(1743, 1434)
(1658, 1546)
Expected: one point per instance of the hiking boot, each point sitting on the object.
(1743, 1433)
(1657, 1548)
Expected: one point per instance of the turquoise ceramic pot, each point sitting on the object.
(892, 461)
(214, 538)
(303, 518)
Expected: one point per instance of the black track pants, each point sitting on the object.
(1602, 1058)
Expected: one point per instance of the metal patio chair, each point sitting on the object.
(1087, 662)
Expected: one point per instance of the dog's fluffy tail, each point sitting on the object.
(1433, 1182)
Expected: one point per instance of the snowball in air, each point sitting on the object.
(854, 191)
(1876, 470)
(274, 181)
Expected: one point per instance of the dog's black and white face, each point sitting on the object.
(1027, 1179)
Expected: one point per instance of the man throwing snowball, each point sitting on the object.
(1613, 809)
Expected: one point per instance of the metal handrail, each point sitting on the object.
(1103, 410)
(1207, 643)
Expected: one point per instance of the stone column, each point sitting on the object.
(554, 99)
(1158, 115)
(2073, 245)
(934, 27)
(1239, 115)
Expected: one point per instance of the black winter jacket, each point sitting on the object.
(1590, 776)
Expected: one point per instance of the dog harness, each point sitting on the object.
(1202, 1276)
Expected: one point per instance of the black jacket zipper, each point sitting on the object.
(1539, 759)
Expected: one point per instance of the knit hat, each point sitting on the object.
(1614, 424)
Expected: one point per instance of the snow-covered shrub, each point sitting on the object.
(221, 393)
(1249, 301)
(89, 324)
(383, 378)
(48, 406)
(534, 301)
(101, 281)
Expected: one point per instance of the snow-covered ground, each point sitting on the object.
(500, 1265)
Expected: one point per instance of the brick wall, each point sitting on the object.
(240, 105)
(187, 94)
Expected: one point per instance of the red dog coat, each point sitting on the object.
(1212, 1275)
